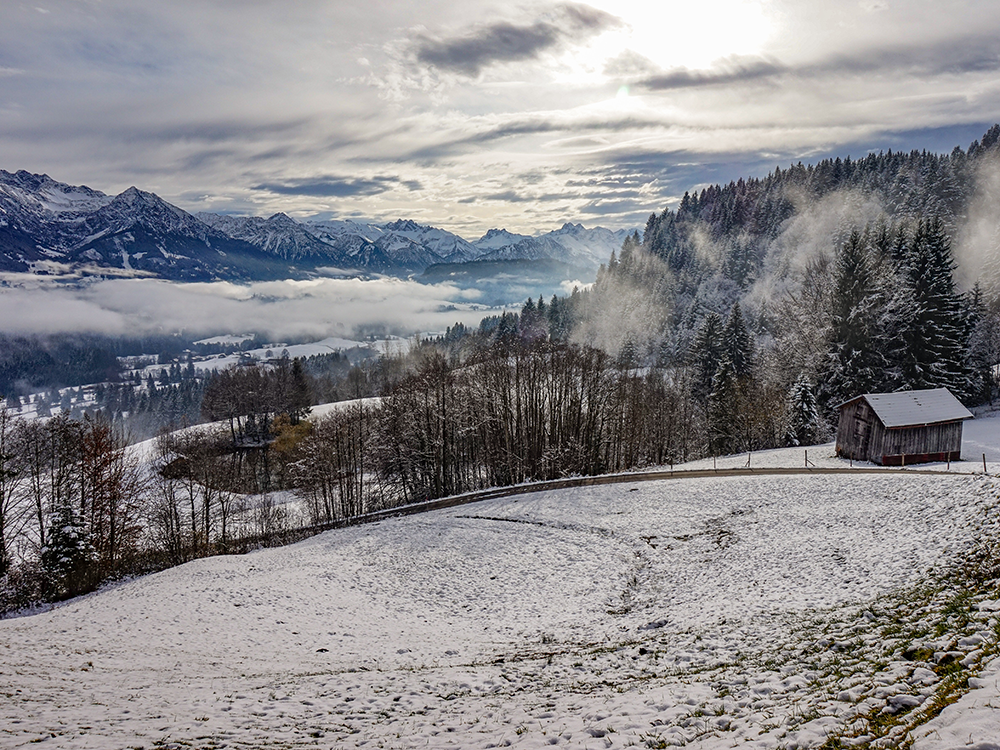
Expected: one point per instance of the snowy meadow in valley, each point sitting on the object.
(756, 612)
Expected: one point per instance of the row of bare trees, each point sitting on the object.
(200, 501)
(79, 505)
(535, 411)
(505, 415)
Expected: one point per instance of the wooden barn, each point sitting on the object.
(903, 428)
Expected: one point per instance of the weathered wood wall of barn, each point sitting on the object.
(854, 430)
(862, 436)
(935, 442)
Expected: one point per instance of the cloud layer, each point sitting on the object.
(478, 114)
(318, 308)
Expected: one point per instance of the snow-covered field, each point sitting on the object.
(752, 612)
(392, 345)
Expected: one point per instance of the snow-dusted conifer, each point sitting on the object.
(857, 362)
(705, 354)
(723, 427)
(804, 423)
(984, 344)
(938, 335)
(67, 555)
(737, 344)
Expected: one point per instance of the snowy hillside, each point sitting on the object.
(48, 226)
(495, 239)
(719, 612)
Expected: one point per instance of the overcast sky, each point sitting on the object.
(475, 114)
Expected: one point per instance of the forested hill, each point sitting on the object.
(746, 216)
(849, 276)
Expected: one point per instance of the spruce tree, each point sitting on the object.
(558, 319)
(857, 363)
(723, 407)
(705, 354)
(937, 337)
(737, 344)
(297, 398)
(67, 556)
(982, 345)
(804, 423)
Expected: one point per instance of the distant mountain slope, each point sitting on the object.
(280, 235)
(38, 217)
(449, 247)
(43, 222)
(571, 244)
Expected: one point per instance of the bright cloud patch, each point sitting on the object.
(319, 307)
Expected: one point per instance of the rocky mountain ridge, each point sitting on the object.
(48, 226)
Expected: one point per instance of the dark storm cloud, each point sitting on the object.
(503, 41)
(738, 72)
(957, 56)
(337, 187)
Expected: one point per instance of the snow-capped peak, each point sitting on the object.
(39, 193)
(496, 238)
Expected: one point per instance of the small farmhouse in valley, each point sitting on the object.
(902, 428)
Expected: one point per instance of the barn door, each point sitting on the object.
(863, 432)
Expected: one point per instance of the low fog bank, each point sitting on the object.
(286, 309)
(818, 229)
(771, 261)
(978, 237)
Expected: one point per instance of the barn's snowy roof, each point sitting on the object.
(912, 408)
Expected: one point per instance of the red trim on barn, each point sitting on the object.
(921, 458)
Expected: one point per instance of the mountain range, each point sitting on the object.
(50, 227)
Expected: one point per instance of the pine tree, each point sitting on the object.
(532, 324)
(857, 363)
(67, 556)
(804, 423)
(937, 337)
(300, 395)
(737, 344)
(723, 425)
(983, 345)
(558, 319)
(705, 354)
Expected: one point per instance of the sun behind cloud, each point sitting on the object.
(684, 34)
